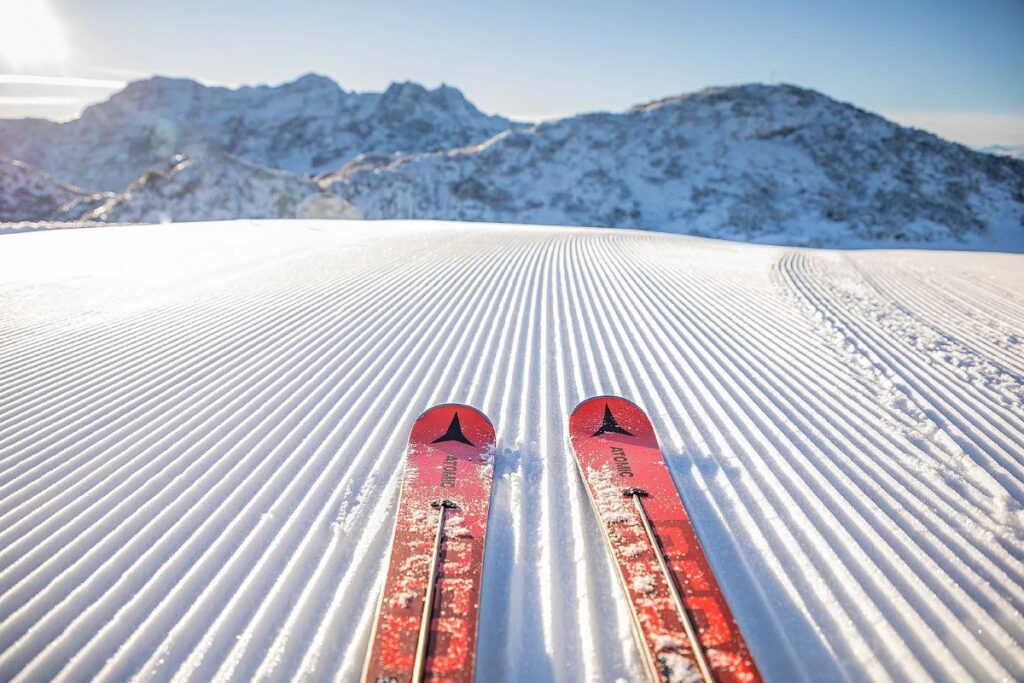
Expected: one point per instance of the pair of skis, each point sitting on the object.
(427, 616)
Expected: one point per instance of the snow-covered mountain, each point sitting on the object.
(306, 126)
(775, 164)
(30, 194)
(216, 186)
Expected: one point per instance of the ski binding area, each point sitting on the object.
(206, 430)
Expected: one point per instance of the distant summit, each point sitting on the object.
(1013, 151)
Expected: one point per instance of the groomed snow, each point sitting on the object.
(203, 425)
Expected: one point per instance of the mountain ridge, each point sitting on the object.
(29, 193)
(304, 126)
(779, 164)
(219, 186)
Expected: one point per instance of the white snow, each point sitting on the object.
(643, 583)
(203, 426)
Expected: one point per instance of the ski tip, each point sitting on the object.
(451, 424)
(606, 398)
(461, 407)
(610, 417)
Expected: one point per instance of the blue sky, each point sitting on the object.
(953, 67)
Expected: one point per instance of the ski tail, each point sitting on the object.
(682, 622)
(426, 622)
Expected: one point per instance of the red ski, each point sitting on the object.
(682, 624)
(427, 616)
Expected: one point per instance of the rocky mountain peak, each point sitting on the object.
(312, 81)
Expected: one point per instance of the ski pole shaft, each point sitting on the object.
(419, 670)
(691, 632)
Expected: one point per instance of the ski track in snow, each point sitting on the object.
(204, 425)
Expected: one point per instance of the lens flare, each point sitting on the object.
(30, 33)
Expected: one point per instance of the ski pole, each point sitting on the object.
(419, 668)
(691, 633)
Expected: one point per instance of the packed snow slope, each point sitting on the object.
(204, 424)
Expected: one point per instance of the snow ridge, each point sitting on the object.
(30, 194)
(219, 186)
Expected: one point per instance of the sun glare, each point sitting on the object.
(30, 33)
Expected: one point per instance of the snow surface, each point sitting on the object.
(203, 432)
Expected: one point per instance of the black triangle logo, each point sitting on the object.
(610, 425)
(454, 433)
